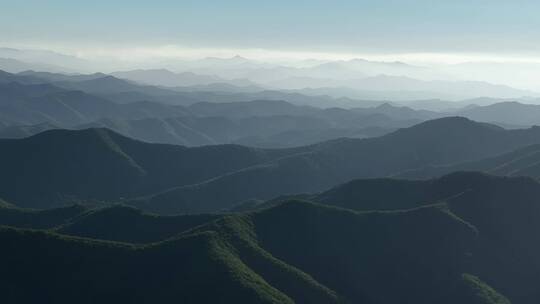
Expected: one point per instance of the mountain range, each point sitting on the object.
(315, 168)
(116, 191)
(521, 162)
(379, 86)
(118, 168)
(35, 101)
(100, 164)
(354, 78)
(30, 108)
(470, 247)
(199, 152)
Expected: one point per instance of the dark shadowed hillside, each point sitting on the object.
(96, 163)
(296, 252)
(464, 238)
(503, 210)
(64, 270)
(398, 194)
(442, 141)
(60, 165)
(126, 224)
(111, 223)
(4, 204)
(39, 219)
(521, 162)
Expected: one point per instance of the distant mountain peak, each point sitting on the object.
(447, 120)
(238, 57)
(386, 105)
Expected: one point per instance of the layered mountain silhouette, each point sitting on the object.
(521, 162)
(35, 101)
(97, 164)
(155, 179)
(358, 78)
(100, 164)
(318, 167)
(511, 113)
(163, 77)
(30, 104)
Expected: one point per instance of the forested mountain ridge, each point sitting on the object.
(321, 166)
(60, 165)
(100, 164)
(290, 253)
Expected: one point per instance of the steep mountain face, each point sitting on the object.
(318, 167)
(99, 164)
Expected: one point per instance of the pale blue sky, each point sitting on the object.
(489, 26)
